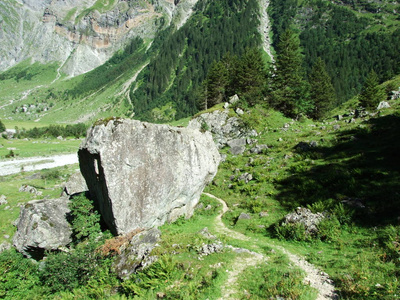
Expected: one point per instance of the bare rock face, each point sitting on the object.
(42, 226)
(142, 174)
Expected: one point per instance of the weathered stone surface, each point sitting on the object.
(306, 217)
(5, 246)
(42, 226)
(142, 174)
(246, 177)
(382, 105)
(136, 254)
(29, 189)
(244, 216)
(223, 128)
(76, 184)
(258, 149)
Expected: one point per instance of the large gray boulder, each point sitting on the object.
(42, 226)
(142, 174)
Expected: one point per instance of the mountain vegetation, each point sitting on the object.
(314, 106)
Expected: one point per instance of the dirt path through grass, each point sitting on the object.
(314, 277)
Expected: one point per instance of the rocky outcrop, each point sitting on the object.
(225, 129)
(305, 217)
(42, 226)
(142, 174)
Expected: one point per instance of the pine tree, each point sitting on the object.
(371, 93)
(289, 89)
(322, 93)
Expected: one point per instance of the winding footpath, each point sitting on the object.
(314, 277)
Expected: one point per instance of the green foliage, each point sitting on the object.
(184, 56)
(371, 93)
(2, 126)
(322, 93)
(66, 271)
(19, 276)
(275, 279)
(75, 130)
(245, 76)
(289, 89)
(85, 220)
(389, 240)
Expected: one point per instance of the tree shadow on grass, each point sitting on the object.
(362, 169)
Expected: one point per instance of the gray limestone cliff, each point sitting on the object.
(142, 175)
(80, 35)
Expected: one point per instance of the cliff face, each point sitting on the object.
(80, 35)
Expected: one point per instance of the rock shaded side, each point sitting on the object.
(42, 226)
(142, 174)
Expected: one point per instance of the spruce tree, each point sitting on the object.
(371, 93)
(251, 76)
(215, 84)
(322, 93)
(289, 89)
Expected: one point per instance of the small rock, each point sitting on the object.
(204, 232)
(280, 140)
(199, 206)
(383, 105)
(29, 189)
(3, 200)
(244, 216)
(208, 249)
(246, 177)
(6, 236)
(258, 149)
(234, 99)
(208, 207)
(5, 246)
(339, 117)
(239, 111)
(237, 150)
(336, 127)
(263, 214)
(351, 121)
(313, 144)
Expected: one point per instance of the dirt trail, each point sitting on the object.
(314, 277)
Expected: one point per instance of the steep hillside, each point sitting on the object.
(352, 37)
(80, 35)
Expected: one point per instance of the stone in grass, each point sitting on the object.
(3, 200)
(306, 217)
(244, 216)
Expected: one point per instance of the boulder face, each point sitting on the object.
(142, 174)
(42, 225)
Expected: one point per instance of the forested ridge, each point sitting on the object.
(176, 73)
(351, 37)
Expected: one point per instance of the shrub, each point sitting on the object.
(2, 126)
(85, 220)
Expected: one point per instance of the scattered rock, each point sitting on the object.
(5, 246)
(258, 149)
(313, 144)
(246, 177)
(6, 236)
(143, 174)
(336, 127)
(42, 226)
(382, 105)
(239, 111)
(354, 202)
(136, 254)
(29, 189)
(306, 217)
(234, 99)
(263, 214)
(339, 117)
(351, 121)
(207, 249)
(226, 105)
(3, 200)
(244, 216)
(205, 233)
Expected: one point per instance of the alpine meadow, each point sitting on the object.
(199, 149)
